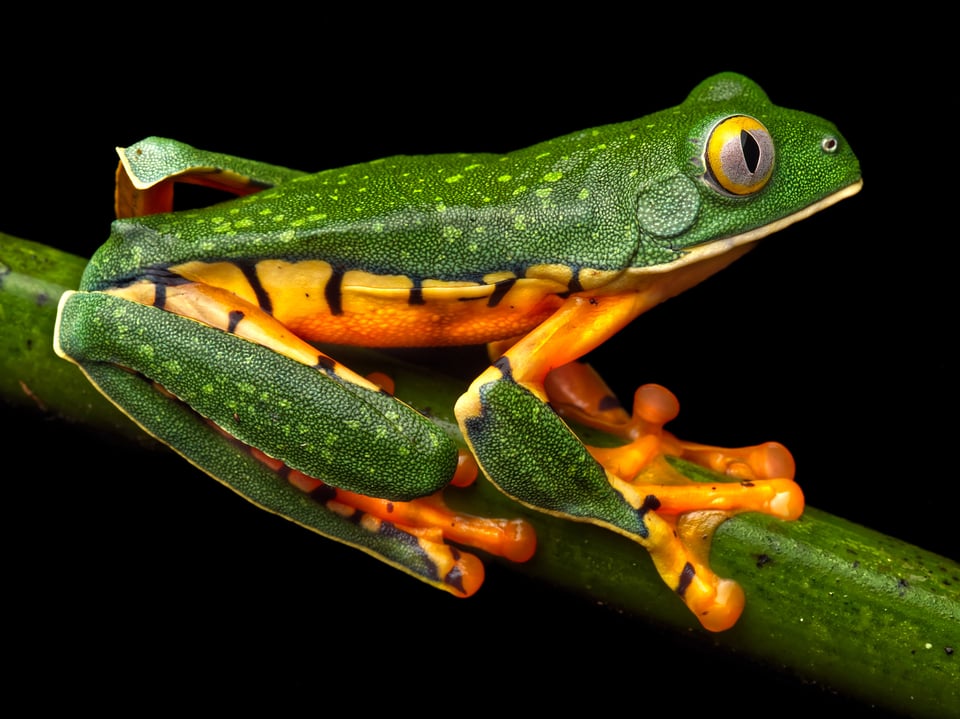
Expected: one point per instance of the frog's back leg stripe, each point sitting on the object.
(236, 316)
(326, 364)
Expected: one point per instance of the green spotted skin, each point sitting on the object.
(546, 470)
(626, 195)
(352, 437)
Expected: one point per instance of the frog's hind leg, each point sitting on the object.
(424, 526)
(149, 170)
(264, 424)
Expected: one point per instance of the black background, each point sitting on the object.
(831, 337)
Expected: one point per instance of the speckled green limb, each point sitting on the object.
(833, 602)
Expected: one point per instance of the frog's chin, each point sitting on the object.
(726, 244)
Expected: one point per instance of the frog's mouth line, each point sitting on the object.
(725, 244)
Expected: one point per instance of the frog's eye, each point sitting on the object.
(739, 155)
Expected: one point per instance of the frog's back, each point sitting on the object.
(445, 217)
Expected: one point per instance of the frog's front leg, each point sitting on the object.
(581, 395)
(528, 451)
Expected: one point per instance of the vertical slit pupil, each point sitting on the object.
(751, 150)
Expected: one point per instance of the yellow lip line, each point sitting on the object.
(718, 247)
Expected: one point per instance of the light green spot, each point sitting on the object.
(454, 178)
(243, 223)
(520, 190)
(544, 192)
(451, 233)
(583, 194)
(519, 223)
(504, 178)
(552, 176)
(441, 207)
(468, 168)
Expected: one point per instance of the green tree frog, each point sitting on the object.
(202, 325)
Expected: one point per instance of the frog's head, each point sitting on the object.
(747, 168)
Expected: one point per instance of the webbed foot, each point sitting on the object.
(687, 512)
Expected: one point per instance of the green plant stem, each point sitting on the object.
(863, 613)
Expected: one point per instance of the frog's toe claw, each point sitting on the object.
(520, 540)
(719, 609)
(762, 461)
(770, 460)
(655, 405)
(787, 501)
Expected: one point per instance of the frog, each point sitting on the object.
(215, 328)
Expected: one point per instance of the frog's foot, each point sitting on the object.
(679, 550)
(580, 395)
(425, 525)
(681, 517)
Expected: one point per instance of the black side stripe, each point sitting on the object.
(249, 270)
(500, 289)
(416, 295)
(333, 292)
